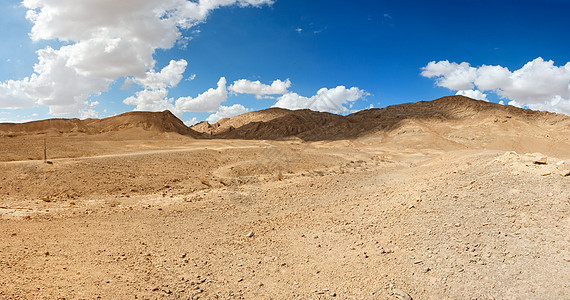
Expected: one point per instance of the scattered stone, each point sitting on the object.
(46, 199)
(250, 234)
(536, 159)
(509, 156)
(541, 160)
(401, 294)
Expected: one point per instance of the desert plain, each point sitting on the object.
(446, 199)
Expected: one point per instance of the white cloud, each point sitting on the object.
(539, 84)
(156, 84)
(473, 94)
(451, 75)
(244, 86)
(169, 76)
(152, 100)
(191, 122)
(103, 40)
(208, 101)
(90, 112)
(227, 112)
(326, 100)
(13, 95)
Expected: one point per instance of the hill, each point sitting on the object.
(276, 123)
(454, 122)
(131, 122)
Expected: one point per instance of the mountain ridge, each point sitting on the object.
(454, 118)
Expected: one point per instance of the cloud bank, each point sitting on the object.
(103, 40)
(539, 84)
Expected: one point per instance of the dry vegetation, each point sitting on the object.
(423, 199)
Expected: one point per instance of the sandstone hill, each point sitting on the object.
(454, 122)
(128, 123)
(275, 123)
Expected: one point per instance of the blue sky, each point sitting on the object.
(336, 56)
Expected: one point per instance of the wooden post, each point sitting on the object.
(45, 151)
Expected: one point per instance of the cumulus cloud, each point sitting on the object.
(473, 94)
(451, 75)
(13, 94)
(260, 90)
(103, 40)
(208, 101)
(191, 122)
(539, 84)
(156, 85)
(151, 100)
(169, 76)
(227, 112)
(326, 100)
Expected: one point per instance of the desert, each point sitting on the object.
(453, 198)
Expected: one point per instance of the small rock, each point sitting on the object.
(540, 160)
(46, 199)
(249, 234)
(401, 294)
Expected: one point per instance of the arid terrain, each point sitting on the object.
(446, 199)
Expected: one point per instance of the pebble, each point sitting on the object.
(401, 294)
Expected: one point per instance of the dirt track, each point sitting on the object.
(296, 220)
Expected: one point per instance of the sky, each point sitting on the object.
(210, 59)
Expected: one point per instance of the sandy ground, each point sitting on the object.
(178, 218)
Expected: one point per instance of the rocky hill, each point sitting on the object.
(454, 118)
(150, 122)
